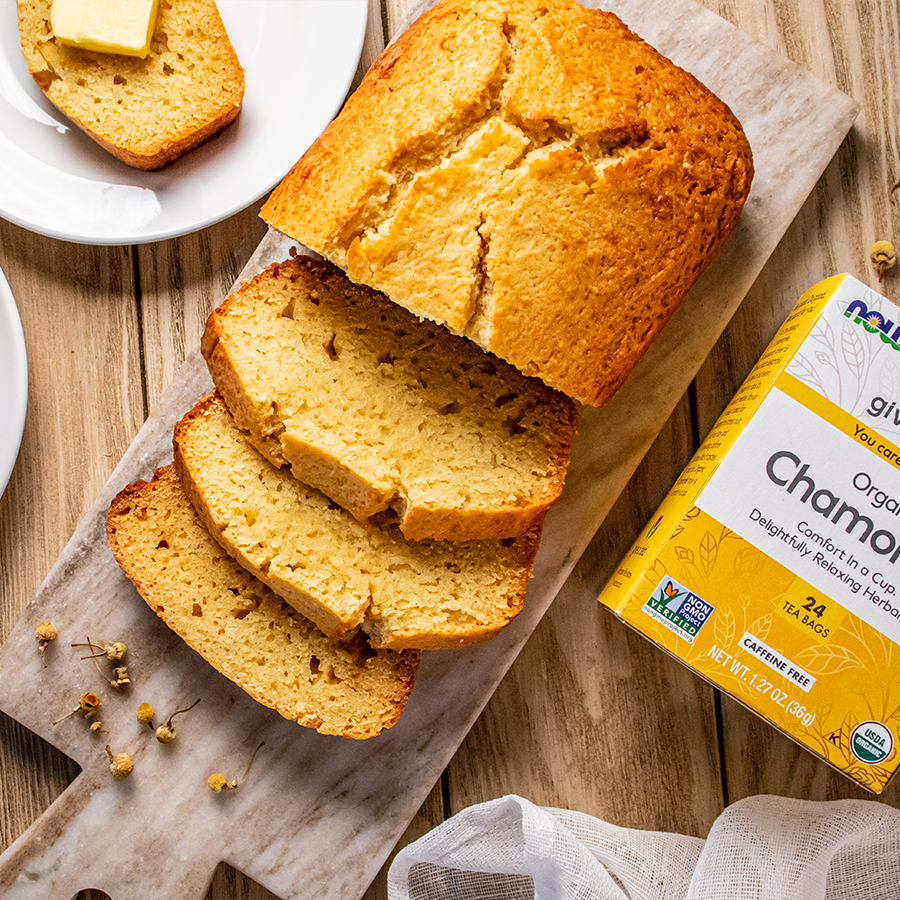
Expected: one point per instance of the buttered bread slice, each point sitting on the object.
(340, 573)
(244, 630)
(381, 411)
(145, 111)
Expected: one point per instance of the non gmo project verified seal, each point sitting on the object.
(678, 608)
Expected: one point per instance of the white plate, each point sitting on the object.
(13, 382)
(300, 57)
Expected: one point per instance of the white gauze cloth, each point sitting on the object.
(761, 848)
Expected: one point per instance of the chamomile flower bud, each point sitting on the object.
(115, 651)
(45, 633)
(883, 257)
(219, 783)
(88, 704)
(120, 764)
(165, 734)
(121, 681)
(145, 714)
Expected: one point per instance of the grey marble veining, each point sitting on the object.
(318, 815)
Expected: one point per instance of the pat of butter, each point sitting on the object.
(107, 26)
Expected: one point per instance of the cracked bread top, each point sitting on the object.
(244, 630)
(531, 174)
(340, 573)
(149, 111)
(386, 414)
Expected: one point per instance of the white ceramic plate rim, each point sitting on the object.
(13, 382)
(300, 57)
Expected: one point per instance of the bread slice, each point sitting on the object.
(531, 174)
(147, 112)
(379, 410)
(241, 628)
(338, 572)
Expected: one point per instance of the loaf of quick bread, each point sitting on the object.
(145, 111)
(244, 630)
(340, 573)
(385, 414)
(531, 174)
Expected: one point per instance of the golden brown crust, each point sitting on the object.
(531, 174)
(241, 628)
(146, 112)
(410, 397)
(171, 152)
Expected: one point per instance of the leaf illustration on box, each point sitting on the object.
(824, 335)
(834, 744)
(872, 777)
(804, 371)
(747, 561)
(889, 378)
(826, 360)
(853, 352)
(723, 627)
(761, 627)
(881, 652)
(708, 552)
(685, 557)
(656, 572)
(828, 660)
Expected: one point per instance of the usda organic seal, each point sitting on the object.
(871, 742)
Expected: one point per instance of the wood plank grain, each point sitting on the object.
(376, 38)
(432, 812)
(398, 14)
(181, 281)
(591, 716)
(79, 316)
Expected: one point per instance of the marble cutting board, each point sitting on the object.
(319, 815)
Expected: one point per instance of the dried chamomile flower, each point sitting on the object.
(88, 704)
(218, 782)
(113, 652)
(145, 714)
(883, 257)
(45, 633)
(165, 734)
(120, 679)
(120, 764)
(96, 727)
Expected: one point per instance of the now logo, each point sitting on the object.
(874, 322)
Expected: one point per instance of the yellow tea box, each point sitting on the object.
(773, 566)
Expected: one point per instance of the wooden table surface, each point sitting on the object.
(591, 717)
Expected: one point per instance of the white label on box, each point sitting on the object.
(818, 503)
(776, 661)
